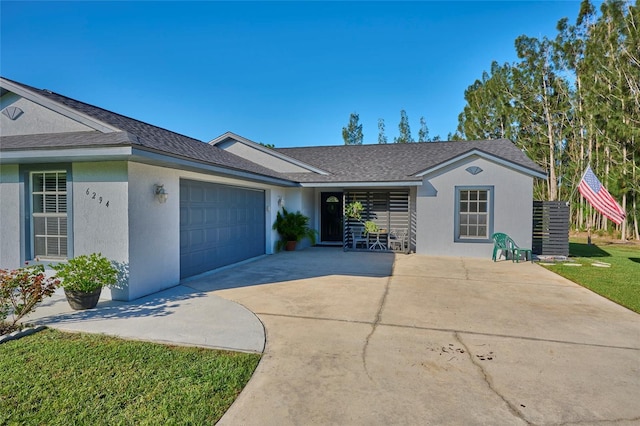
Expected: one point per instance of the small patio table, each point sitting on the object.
(377, 243)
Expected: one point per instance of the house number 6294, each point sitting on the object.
(95, 196)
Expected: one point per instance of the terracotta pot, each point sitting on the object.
(290, 246)
(81, 300)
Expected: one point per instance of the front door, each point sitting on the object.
(331, 216)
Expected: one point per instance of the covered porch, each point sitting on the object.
(393, 214)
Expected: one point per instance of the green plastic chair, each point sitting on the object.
(506, 245)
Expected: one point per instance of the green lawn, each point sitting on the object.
(620, 282)
(55, 378)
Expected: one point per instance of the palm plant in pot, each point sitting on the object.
(83, 278)
(292, 227)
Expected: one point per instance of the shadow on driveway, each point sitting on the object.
(313, 262)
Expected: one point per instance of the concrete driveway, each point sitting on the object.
(373, 338)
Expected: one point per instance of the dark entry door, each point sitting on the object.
(331, 216)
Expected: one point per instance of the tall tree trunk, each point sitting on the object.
(553, 180)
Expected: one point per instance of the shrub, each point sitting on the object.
(20, 291)
(86, 273)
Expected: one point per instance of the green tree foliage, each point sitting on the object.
(571, 101)
(352, 134)
(403, 129)
(423, 133)
(382, 138)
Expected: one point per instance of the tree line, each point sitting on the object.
(352, 133)
(569, 102)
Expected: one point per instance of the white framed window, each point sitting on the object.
(48, 214)
(474, 214)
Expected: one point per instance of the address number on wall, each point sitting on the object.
(97, 197)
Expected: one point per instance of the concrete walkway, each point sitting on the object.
(356, 339)
(372, 338)
(179, 315)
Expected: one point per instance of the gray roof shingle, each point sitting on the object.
(345, 163)
(144, 135)
(395, 162)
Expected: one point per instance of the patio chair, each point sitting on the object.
(359, 237)
(397, 239)
(505, 244)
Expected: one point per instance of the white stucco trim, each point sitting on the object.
(359, 184)
(230, 135)
(59, 108)
(486, 156)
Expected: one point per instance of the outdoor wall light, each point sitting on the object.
(161, 194)
(280, 202)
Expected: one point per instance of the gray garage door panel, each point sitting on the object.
(219, 225)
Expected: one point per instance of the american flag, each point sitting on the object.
(598, 196)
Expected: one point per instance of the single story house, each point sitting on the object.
(77, 179)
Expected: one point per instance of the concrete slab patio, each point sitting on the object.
(373, 338)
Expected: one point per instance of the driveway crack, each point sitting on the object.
(375, 324)
(466, 271)
(489, 381)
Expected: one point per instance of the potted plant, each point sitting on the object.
(83, 278)
(292, 227)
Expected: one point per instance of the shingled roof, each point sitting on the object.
(138, 134)
(344, 163)
(396, 162)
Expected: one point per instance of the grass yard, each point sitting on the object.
(56, 378)
(619, 282)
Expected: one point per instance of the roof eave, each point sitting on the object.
(360, 184)
(130, 153)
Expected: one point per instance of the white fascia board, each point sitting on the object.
(65, 154)
(268, 151)
(59, 108)
(186, 164)
(359, 184)
(486, 156)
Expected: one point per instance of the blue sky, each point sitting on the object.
(283, 73)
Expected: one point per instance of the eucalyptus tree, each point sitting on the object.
(423, 133)
(569, 54)
(403, 129)
(489, 112)
(382, 138)
(352, 134)
(612, 62)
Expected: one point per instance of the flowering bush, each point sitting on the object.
(20, 291)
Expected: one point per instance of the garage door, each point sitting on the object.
(219, 225)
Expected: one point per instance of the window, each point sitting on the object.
(474, 214)
(49, 214)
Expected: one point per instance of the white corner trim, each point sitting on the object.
(486, 156)
(59, 108)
